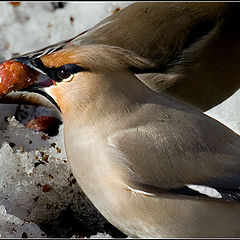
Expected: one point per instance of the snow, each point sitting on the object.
(36, 182)
(12, 226)
(38, 193)
(228, 112)
(32, 25)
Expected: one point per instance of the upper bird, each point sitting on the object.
(195, 47)
(154, 167)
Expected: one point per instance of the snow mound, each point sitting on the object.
(37, 184)
(13, 227)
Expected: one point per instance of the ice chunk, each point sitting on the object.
(101, 235)
(13, 227)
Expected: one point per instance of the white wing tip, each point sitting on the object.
(209, 191)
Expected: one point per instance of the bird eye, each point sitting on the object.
(64, 74)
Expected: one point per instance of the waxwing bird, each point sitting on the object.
(195, 46)
(154, 167)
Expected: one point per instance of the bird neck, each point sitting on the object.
(104, 95)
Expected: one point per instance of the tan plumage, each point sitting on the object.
(194, 44)
(137, 154)
(196, 47)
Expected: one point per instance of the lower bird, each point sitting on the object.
(154, 167)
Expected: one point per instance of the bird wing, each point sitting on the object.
(181, 152)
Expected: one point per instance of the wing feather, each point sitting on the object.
(169, 153)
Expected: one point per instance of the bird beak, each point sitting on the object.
(43, 81)
(34, 63)
(33, 60)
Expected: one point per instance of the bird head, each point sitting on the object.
(74, 75)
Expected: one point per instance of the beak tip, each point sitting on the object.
(34, 63)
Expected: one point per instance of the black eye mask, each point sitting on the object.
(63, 72)
(56, 74)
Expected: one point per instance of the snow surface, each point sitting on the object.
(38, 195)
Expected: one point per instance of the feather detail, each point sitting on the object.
(211, 192)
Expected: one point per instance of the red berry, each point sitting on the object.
(44, 124)
(15, 76)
